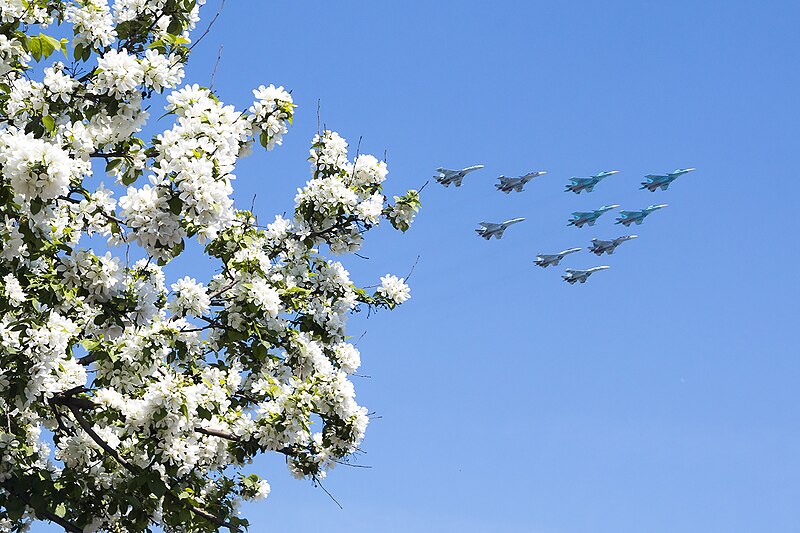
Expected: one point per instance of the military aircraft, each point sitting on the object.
(545, 260)
(490, 229)
(579, 218)
(629, 217)
(654, 181)
(516, 184)
(587, 184)
(572, 276)
(447, 176)
(600, 247)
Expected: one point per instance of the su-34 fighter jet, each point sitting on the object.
(545, 260)
(629, 217)
(516, 184)
(654, 181)
(588, 184)
(579, 218)
(600, 247)
(573, 276)
(490, 229)
(447, 176)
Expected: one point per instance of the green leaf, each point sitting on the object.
(175, 204)
(36, 205)
(61, 510)
(112, 164)
(49, 123)
(128, 178)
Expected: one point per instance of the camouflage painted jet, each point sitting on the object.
(447, 176)
(572, 276)
(545, 260)
(600, 247)
(629, 217)
(588, 184)
(490, 229)
(516, 184)
(654, 181)
(579, 218)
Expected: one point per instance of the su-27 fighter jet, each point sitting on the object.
(573, 276)
(654, 181)
(579, 218)
(600, 247)
(588, 184)
(629, 217)
(447, 176)
(490, 229)
(516, 184)
(545, 260)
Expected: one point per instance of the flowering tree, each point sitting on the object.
(127, 401)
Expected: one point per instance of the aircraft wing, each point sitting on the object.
(580, 181)
(653, 177)
(627, 214)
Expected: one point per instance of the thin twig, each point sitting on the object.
(319, 105)
(318, 482)
(210, 24)
(412, 269)
(214, 72)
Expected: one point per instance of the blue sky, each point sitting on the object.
(660, 396)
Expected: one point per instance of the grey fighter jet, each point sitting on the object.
(654, 181)
(516, 184)
(545, 260)
(573, 276)
(579, 218)
(490, 229)
(447, 176)
(600, 247)
(588, 184)
(629, 217)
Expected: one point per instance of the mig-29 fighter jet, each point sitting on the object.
(587, 184)
(447, 176)
(516, 184)
(490, 229)
(654, 181)
(600, 247)
(579, 218)
(545, 260)
(573, 276)
(629, 217)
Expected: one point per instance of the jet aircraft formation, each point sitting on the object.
(487, 230)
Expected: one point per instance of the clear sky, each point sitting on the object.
(662, 395)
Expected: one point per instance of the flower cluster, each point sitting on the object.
(130, 402)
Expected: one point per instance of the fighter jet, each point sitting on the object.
(587, 184)
(545, 260)
(629, 217)
(516, 184)
(490, 229)
(654, 181)
(573, 276)
(579, 218)
(600, 247)
(447, 176)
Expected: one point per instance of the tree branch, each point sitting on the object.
(74, 404)
(67, 525)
